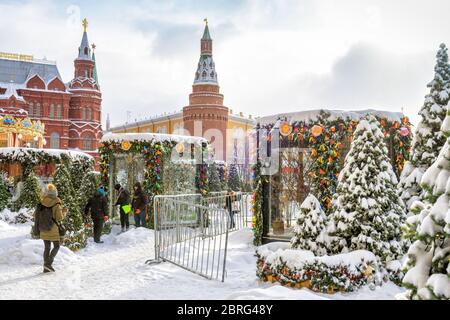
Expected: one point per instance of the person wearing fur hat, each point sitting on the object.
(98, 207)
(50, 201)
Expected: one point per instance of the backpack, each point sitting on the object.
(44, 218)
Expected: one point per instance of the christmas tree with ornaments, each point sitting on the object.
(367, 212)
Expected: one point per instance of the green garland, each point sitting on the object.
(30, 157)
(317, 276)
(256, 205)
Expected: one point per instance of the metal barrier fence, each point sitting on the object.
(191, 231)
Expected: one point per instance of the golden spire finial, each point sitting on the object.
(85, 24)
(206, 21)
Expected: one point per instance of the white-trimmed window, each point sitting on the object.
(37, 111)
(59, 111)
(52, 111)
(54, 140)
(87, 143)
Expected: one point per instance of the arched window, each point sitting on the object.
(86, 50)
(87, 143)
(31, 109)
(54, 140)
(83, 114)
(59, 111)
(89, 114)
(38, 110)
(52, 111)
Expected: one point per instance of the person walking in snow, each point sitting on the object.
(98, 207)
(123, 201)
(139, 205)
(47, 217)
(229, 206)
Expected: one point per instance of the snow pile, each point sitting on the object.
(301, 268)
(134, 236)
(5, 226)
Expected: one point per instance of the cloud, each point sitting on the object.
(270, 55)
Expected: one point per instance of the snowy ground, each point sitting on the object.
(116, 270)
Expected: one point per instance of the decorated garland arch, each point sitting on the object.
(155, 149)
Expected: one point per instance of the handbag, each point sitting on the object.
(126, 208)
(61, 229)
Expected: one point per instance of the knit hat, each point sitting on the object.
(51, 190)
(101, 191)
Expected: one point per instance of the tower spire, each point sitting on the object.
(94, 75)
(84, 51)
(206, 70)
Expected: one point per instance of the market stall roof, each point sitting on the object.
(18, 154)
(156, 137)
(311, 115)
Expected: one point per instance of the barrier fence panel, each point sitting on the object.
(191, 231)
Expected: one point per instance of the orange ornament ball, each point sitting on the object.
(316, 130)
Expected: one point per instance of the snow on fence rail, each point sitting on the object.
(191, 231)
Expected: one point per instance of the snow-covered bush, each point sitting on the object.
(24, 215)
(29, 193)
(428, 264)
(5, 195)
(311, 221)
(428, 139)
(300, 268)
(367, 212)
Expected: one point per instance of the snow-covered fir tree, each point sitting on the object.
(30, 193)
(214, 182)
(76, 234)
(234, 182)
(428, 139)
(428, 263)
(367, 212)
(5, 195)
(89, 184)
(310, 224)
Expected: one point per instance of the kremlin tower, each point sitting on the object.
(85, 104)
(206, 115)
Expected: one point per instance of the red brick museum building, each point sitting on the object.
(70, 112)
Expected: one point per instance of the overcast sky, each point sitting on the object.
(271, 56)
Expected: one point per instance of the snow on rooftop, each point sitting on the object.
(156, 137)
(311, 115)
(18, 153)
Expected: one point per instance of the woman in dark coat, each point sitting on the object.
(98, 207)
(138, 205)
